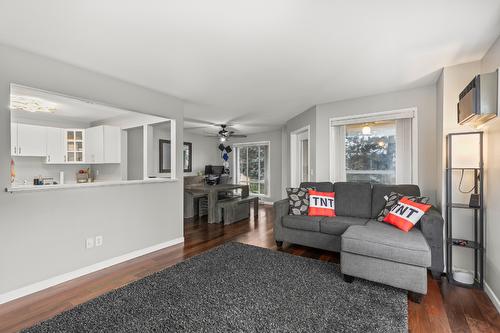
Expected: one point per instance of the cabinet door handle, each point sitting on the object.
(64, 158)
(19, 150)
(15, 150)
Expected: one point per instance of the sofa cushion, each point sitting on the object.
(380, 240)
(338, 225)
(318, 186)
(301, 222)
(353, 199)
(379, 192)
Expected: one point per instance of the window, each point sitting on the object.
(370, 152)
(379, 148)
(252, 167)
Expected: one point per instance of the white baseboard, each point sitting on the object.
(38, 286)
(494, 299)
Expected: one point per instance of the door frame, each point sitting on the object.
(294, 156)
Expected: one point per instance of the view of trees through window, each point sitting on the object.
(370, 151)
(253, 168)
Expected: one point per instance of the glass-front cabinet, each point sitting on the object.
(75, 145)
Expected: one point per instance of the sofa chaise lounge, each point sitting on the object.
(369, 249)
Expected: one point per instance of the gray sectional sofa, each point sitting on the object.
(369, 249)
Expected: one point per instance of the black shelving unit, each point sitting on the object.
(477, 244)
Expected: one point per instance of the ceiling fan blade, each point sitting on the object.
(238, 136)
(196, 121)
(194, 127)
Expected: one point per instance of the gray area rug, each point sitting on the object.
(241, 288)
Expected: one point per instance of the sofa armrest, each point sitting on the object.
(431, 226)
(281, 209)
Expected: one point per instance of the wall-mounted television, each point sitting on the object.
(478, 102)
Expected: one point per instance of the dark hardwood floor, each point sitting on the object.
(446, 308)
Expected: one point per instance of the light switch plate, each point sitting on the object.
(89, 243)
(98, 240)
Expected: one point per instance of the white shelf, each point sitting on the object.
(37, 188)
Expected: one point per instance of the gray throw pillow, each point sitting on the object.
(298, 199)
(393, 198)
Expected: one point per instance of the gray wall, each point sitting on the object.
(135, 153)
(275, 155)
(440, 158)
(423, 98)
(42, 234)
(205, 152)
(306, 118)
(491, 62)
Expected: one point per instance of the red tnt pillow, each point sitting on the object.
(406, 213)
(321, 203)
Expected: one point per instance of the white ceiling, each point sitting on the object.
(257, 62)
(67, 108)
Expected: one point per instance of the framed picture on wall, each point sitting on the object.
(187, 157)
(165, 163)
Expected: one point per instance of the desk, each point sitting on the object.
(212, 191)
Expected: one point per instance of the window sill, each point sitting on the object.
(37, 188)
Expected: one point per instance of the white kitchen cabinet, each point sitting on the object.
(55, 146)
(13, 139)
(94, 152)
(112, 144)
(28, 140)
(74, 141)
(103, 144)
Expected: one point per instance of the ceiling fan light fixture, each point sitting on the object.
(366, 130)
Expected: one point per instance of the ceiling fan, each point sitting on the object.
(224, 134)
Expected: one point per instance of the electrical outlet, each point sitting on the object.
(89, 243)
(98, 240)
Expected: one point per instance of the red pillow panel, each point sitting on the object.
(321, 203)
(406, 213)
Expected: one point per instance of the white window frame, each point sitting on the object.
(407, 113)
(294, 170)
(236, 164)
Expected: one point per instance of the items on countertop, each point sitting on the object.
(12, 171)
(84, 176)
(37, 181)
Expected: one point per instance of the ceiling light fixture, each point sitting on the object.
(366, 130)
(222, 139)
(30, 104)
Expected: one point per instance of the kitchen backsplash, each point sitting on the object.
(28, 168)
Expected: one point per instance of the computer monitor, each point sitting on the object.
(214, 170)
(217, 170)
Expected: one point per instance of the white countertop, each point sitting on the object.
(27, 188)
